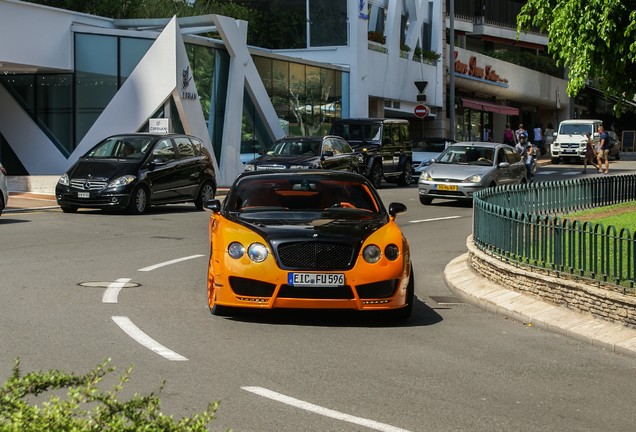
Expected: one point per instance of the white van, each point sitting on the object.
(569, 139)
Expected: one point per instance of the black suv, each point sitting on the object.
(133, 171)
(384, 146)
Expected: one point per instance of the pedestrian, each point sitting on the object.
(509, 136)
(520, 147)
(538, 138)
(529, 162)
(548, 138)
(603, 150)
(590, 153)
(521, 131)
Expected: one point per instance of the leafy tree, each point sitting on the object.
(593, 39)
(152, 8)
(86, 407)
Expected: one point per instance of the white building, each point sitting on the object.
(67, 80)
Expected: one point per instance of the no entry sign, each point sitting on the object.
(421, 111)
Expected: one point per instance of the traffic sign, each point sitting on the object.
(422, 111)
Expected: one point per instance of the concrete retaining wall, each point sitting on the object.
(573, 294)
(36, 184)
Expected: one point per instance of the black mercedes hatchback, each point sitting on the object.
(133, 171)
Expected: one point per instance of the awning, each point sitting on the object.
(483, 105)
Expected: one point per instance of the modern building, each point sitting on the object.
(67, 80)
(72, 79)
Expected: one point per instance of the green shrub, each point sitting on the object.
(86, 407)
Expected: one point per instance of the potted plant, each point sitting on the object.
(378, 37)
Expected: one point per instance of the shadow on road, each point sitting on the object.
(423, 315)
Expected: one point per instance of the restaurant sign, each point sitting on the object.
(474, 70)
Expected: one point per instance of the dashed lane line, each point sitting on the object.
(135, 332)
(435, 219)
(307, 406)
(166, 263)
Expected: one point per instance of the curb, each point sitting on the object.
(475, 289)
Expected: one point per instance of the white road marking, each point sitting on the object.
(435, 219)
(174, 261)
(134, 332)
(371, 424)
(111, 293)
(561, 172)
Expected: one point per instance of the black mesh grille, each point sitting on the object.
(323, 293)
(383, 289)
(251, 287)
(316, 255)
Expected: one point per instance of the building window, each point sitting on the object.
(132, 50)
(328, 23)
(96, 78)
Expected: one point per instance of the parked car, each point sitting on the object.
(425, 150)
(307, 239)
(467, 167)
(251, 150)
(133, 171)
(384, 145)
(4, 193)
(315, 152)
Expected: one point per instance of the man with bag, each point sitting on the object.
(603, 150)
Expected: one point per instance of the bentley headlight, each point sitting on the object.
(249, 167)
(473, 179)
(236, 250)
(64, 181)
(121, 181)
(372, 254)
(392, 252)
(257, 252)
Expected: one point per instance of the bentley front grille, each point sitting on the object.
(312, 255)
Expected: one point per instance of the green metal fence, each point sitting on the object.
(528, 224)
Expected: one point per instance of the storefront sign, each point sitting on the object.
(159, 125)
(474, 70)
(186, 77)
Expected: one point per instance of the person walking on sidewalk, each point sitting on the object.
(603, 150)
(590, 154)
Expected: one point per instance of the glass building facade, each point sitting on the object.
(65, 106)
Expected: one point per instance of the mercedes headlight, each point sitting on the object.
(64, 181)
(122, 181)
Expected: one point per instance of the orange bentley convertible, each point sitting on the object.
(307, 240)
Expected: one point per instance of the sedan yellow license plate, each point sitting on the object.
(446, 187)
(316, 279)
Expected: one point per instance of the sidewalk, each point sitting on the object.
(21, 202)
(482, 292)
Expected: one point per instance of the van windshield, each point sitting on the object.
(576, 129)
(358, 132)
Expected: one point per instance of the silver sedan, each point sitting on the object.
(467, 167)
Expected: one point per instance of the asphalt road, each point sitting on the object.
(455, 367)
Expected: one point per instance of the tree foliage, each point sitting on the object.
(124, 9)
(86, 407)
(593, 39)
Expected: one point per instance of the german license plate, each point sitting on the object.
(446, 187)
(316, 279)
(83, 194)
